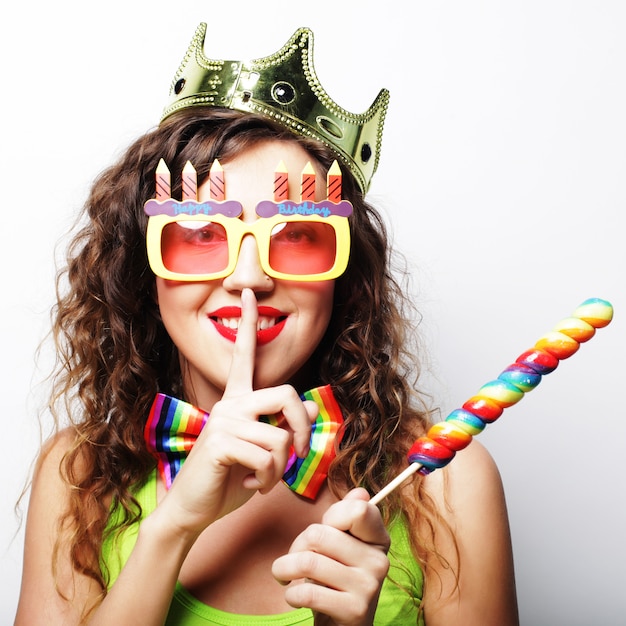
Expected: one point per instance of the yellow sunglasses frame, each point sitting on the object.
(237, 229)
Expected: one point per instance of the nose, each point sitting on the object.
(248, 271)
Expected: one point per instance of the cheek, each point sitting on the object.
(328, 298)
(320, 306)
(167, 300)
(176, 299)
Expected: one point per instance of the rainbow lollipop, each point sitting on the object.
(442, 441)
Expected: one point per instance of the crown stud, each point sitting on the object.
(283, 87)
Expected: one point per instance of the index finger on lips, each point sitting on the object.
(241, 370)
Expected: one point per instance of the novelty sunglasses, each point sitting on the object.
(197, 241)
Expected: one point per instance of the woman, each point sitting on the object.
(108, 540)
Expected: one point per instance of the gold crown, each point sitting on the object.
(285, 88)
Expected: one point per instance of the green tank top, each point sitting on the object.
(399, 601)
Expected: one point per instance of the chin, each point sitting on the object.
(275, 373)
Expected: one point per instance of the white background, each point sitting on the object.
(502, 175)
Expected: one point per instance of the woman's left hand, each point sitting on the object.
(337, 568)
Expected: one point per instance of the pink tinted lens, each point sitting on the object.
(301, 248)
(189, 247)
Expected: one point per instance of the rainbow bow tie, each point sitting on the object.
(173, 427)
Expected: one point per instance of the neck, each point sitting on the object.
(197, 390)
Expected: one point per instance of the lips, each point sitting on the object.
(270, 325)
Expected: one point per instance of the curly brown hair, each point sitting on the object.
(114, 353)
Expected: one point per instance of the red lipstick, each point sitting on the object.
(234, 312)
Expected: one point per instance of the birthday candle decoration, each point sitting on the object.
(190, 182)
(163, 182)
(217, 188)
(307, 189)
(440, 444)
(333, 183)
(281, 183)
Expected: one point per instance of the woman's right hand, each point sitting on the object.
(236, 455)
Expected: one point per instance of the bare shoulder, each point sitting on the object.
(47, 482)
(473, 539)
(471, 479)
(55, 448)
(39, 601)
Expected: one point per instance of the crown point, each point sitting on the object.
(283, 87)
